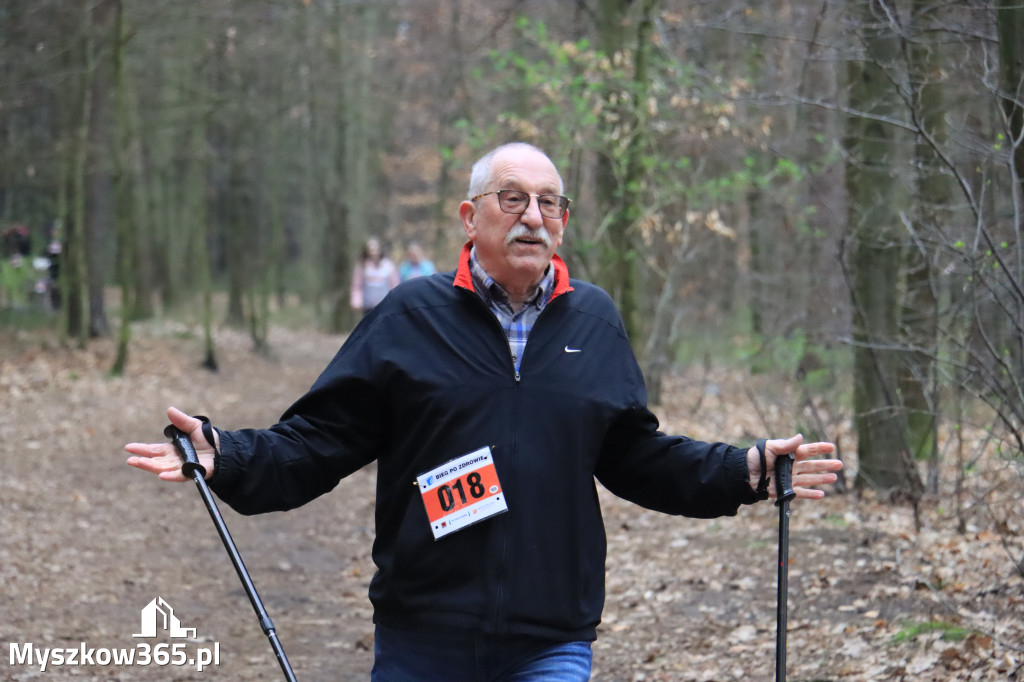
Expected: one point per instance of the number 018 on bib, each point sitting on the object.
(461, 492)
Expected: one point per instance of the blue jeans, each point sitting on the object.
(452, 656)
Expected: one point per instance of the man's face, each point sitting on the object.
(515, 249)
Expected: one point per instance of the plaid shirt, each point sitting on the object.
(517, 325)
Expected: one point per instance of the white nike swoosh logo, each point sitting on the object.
(573, 350)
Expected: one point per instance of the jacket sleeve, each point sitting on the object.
(672, 474)
(330, 432)
(666, 473)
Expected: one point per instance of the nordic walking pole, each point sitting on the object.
(784, 493)
(197, 472)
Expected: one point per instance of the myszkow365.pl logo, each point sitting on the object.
(157, 618)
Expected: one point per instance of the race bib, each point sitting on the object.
(461, 492)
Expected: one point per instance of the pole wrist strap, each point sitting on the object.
(208, 434)
(762, 483)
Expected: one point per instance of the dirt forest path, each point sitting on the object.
(87, 542)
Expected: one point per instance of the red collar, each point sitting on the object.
(464, 279)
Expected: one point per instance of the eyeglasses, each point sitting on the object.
(515, 202)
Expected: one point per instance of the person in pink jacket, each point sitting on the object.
(373, 277)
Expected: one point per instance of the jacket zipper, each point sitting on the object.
(499, 608)
(502, 572)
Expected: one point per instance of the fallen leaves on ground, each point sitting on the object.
(87, 541)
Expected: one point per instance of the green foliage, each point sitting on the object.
(568, 96)
(814, 365)
(836, 520)
(1007, 451)
(15, 283)
(949, 631)
(582, 98)
(29, 318)
(705, 342)
(788, 169)
(779, 354)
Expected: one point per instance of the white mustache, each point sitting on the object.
(520, 230)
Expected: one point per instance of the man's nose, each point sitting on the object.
(532, 217)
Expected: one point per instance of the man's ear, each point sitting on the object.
(561, 233)
(467, 212)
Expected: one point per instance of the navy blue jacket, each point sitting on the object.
(426, 377)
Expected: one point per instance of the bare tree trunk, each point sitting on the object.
(99, 216)
(620, 181)
(312, 221)
(873, 221)
(197, 181)
(126, 251)
(655, 351)
(1010, 28)
(75, 275)
(918, 380)
(355, 165)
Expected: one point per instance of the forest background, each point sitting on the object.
(824, 193)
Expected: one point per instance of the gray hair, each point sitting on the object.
(480, 176)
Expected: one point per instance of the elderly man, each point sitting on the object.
(490, 398)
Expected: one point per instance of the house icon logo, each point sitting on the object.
(158, 615)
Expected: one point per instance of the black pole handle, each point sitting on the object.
(784, 479)
(183, 444)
